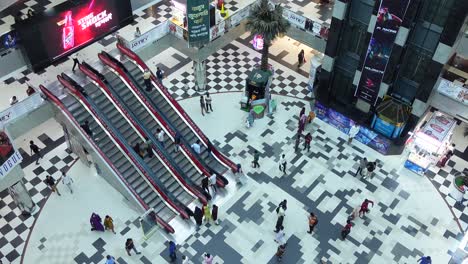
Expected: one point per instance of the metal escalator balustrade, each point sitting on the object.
(167, 197)
(134, 99)
(146, 201)
(108, 90)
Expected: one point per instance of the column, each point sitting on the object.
(199, 69)
(22, 198)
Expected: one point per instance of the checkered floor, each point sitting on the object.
(15, 227)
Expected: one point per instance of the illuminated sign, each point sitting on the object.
(96, 20)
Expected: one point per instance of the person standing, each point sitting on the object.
(30, 90)
(208, 103)
(196, 147)
(302, 112)
(255, 160)
(283, 204)
(214, 214)
(202, 105)
(67, 180)
(147, 80)
(205, 182)
(172, 251)
(160, 133)
(51, 183)
(176, 142)
(129, 245)
(298, 141)
(96, 223)
(137, 32)
(36, 151)
(110, 260)
(212, 180)
(365, 207)
(279, 222)
(137, 149)
(370, 167)
(13, 100)
(313, 221)
(353, 131)
(86, 129)
(75, 61)
(207, 213)
(300, 58)
(307, 140)
(362, 165)
(198, 215)
(109, 223)
(346, 229)
(425, 260)
(159, 74)
(149, 147)
(280, 252)
(283, 163)
(208, 258)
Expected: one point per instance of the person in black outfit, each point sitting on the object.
(159, 74)
(279, 223)
(36, 151)
(75, 62)
(137, 149)
(85, 127)
(51, 183)
(176, 142)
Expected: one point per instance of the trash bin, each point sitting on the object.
(259, 111)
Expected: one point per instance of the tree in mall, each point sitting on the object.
(266, 19)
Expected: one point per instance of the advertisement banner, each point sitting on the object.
(297, 20)
(237, 17)
(149, 37)
(438, 126)
(389, 19)
(344, 123)
(198, 22)
(9, 158)
(455, 91)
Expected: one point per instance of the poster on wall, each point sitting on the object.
(9, 157)
(389, 19)
(198, 22)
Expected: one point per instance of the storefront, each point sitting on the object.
(430, 142)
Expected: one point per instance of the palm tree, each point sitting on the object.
(267, 20)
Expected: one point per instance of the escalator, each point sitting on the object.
(116, 157)
(158, 100)
(107, 84)
(102, 109)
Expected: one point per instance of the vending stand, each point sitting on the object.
(429, 142)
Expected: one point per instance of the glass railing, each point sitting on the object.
(21, 108)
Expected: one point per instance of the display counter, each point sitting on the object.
(430, 141)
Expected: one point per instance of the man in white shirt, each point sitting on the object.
(213, 181)
(67, 180)
(160, 133)
(283, 163)
(353, 131)
(196, 147)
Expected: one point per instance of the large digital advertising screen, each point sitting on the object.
(389, 19)
(70, 26)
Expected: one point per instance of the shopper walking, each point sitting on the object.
(138, 150)
(13, 100)
(202, 105)
(172, 251)
(303, 109)
(214, 214)
(208, 258)
(279, 223)
(176, 142)
(76, 62)
(149, 147)
(208, 103)
(110, 260)
(300, 58)
(298, 141)
(198, 215)
(353, 131)
(283, 204)
(346, 229)
(109, 223)
(185, 260)
(212, 181)
(49, 181)
(96, 223)
(67, 180)
(283, 163)
(313, 221)
(147, 80)
(362, 165)
(159, 74)
(36, 151)
(280, 236)
(307, 140)
(365, 207)
(196, 147)
(87, 129)
(425, 260)
(371, 166)
(255, 163)
(207, 213)
(280, 252)
(129, 245)
(161, 137)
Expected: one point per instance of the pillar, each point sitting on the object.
(22, 198)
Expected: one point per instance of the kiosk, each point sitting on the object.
(257, 92)
(390, 117)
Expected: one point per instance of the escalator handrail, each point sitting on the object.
(135, 158)
(106, 87)
(157, 113)
(59, 104)
(179, 110)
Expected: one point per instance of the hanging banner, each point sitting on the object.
(295, 19)
(9, 157)
(198, 22)
(389, 19)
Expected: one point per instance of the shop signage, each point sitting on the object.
(389, 19)
(198, 22)
(438, 126)
(9, 158)
(454, 91)
(237, 17)
(343, 123)
(149, 37)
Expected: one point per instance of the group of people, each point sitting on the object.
(29, 91)
(205, 104)
(147, 145)
(98, 225)
(52, 183)
(209, 185)
(279, 229)
(172, 248)
(147, 78)
(366, 168)
(306, 136)
(359, 211)
(207, 213)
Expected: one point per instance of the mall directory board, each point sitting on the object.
(389, 19)
(69, 27)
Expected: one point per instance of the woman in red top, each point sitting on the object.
(365, 207)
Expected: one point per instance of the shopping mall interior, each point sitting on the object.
(162, 121)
